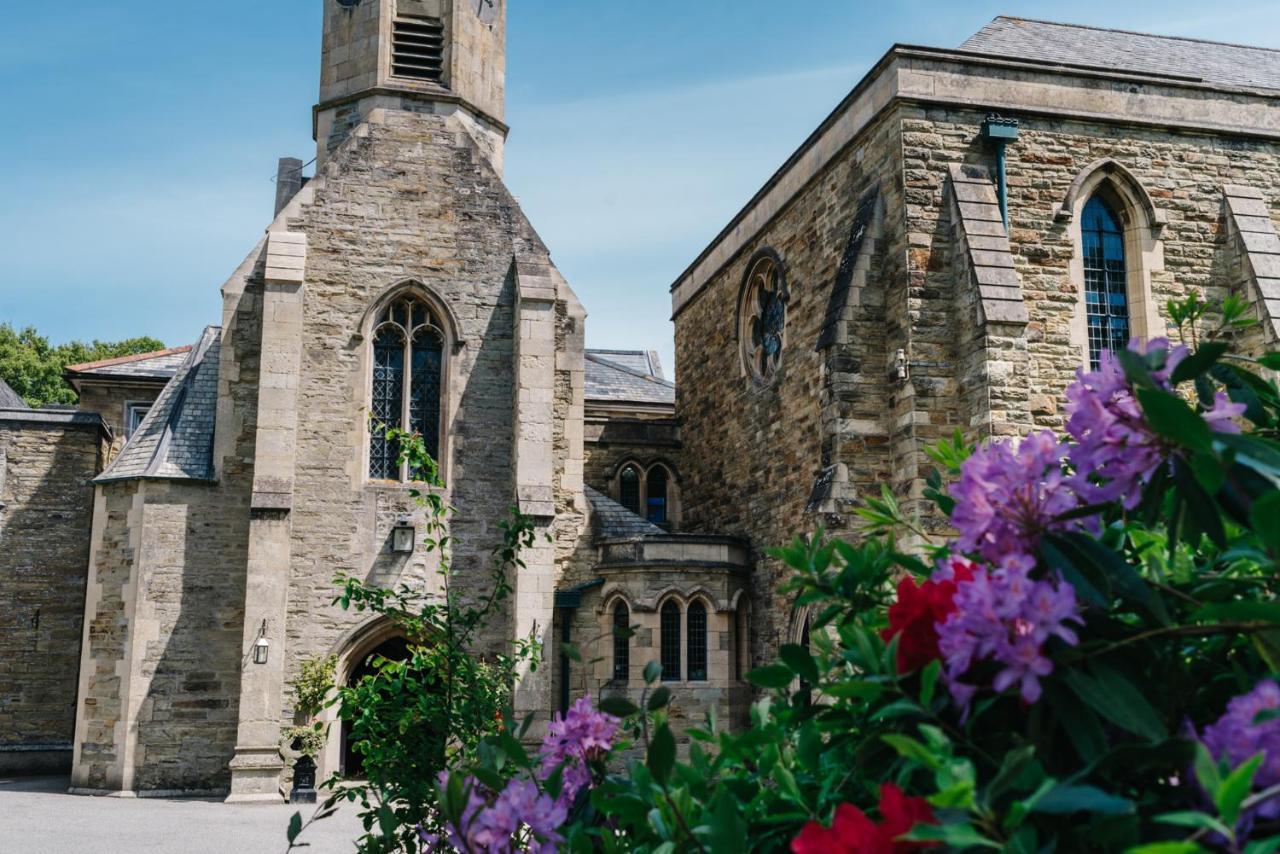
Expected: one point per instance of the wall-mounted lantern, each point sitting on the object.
(402, 536)
(261, 647)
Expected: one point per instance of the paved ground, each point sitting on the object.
(38, 817)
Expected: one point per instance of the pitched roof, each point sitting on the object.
(159, 364)
(175, 439)
(1216, 63)
(609, 519)
(627, 376)
(10, 399)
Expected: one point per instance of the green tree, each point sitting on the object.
(33, 367)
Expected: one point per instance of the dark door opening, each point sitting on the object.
(395, 649)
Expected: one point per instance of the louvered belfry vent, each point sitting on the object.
(417, 48)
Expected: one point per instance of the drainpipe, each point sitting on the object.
(568, 602)
(1001, 131)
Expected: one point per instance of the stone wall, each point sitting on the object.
(46, 502)
(612, 440)
(108, 401)
(753, 453)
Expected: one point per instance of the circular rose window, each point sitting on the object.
(762, 315)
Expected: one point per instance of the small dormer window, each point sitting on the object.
(417, 48)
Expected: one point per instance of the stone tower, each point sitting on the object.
(446, 57)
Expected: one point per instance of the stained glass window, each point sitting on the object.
(670, 619)
(1105, 290)
(408, 363)
(656, 495)
(697, 631)
(763, 317)
(629, 489)
(621, 643)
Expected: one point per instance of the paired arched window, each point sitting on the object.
(408, 379)
(1106, 290)
(621, 642)
(692, 627)
(647, 492)
(670, 620)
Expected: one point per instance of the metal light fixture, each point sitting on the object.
(261, 647)
(402, 536)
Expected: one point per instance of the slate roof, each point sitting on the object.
(10, 399)
(175, 439)
(1215, 63)
(160, 364)
(609, 519)
(627, 376)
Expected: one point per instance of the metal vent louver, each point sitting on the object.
(417, 48)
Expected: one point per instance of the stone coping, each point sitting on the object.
(54, 418)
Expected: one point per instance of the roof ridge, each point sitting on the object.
(1125, 32)
(600, 361)
(121, 360)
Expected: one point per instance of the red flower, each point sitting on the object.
(853, 833)
(915, 616)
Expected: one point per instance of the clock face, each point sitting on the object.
(487, 10)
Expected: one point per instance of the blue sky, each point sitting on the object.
(141, 135)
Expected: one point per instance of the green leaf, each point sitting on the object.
(619, 707)
(728, 830)
(659, 698)
(1235, 788)
(1206, 769)
(1171, 417)
(1066, 799)
(652, 671)
(1264, 516)
(1263, 846)
(800, 661)
(1198, 820)
(295, 827)
(662, 754)
(1166, 848)
(957, 836)
(571, 652)
(771, 676)
(929, 681)
(1114, 697)
(1198, 362)
(1242, 611)
(909, 748)
(1015, 762)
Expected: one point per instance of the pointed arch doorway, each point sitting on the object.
(395, 648)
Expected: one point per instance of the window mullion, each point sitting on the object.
(405, 385)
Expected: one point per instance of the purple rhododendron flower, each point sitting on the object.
(1238, 736)
(1004, 615)
(1116, 451)
(1008, 496)
(581, 736)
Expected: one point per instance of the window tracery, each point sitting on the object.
(407, 382)
(762, 316)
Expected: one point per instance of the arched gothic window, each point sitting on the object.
(670, 619)
(656, 495)
(1106, 289)
(762, 316)
(629, 489)
(621, 642)
(696, 622)
(408, 379)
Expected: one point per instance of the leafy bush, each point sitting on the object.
(33, 367)
(1088, 665)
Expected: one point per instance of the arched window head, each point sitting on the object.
(408, 380)
(656, 495)
(1105, 280)
(762, 316)
(621, 642)
(696, 620)
(670, 620)
(629, 488)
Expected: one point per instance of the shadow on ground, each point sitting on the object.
(37, 816)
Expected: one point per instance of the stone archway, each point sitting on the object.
(394, 648)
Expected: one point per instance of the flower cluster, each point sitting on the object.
(1006, 616)
(1239, 735)
(1116, 451)
(581, 737)
(493, 823)
(853, 833)
(1008, 496)
(914, 618)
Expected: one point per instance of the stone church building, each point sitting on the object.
(963, 232)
